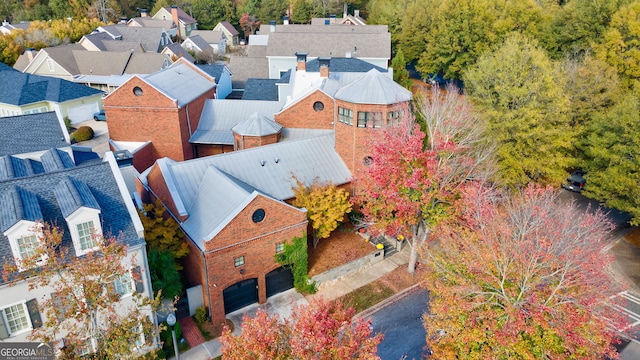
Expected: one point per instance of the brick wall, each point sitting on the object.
(153, 117)
(208, 150)
(248, 142)
(303, 115)
(281, 224)
(155, 181)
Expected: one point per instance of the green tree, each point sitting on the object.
(210, 13)
(613, 157)
(621, 43)
(400, 72)
(390, 13)
(159, 4)
(296, 256)
(164, 276)
(272, 10)
(326, 206)
(162, 232)
(579, 24)
(516, 90)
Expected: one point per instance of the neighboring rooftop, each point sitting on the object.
(44, 132)
(180, 82)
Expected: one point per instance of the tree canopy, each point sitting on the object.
(521, 277)
(162, 232)
(322, 330)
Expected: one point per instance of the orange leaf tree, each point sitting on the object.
(326, 206)
(84, 306)
(321, 330)
(523, 277)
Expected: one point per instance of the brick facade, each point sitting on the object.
(247, 142)
(303, 115)
(208, 150)
(146, 114)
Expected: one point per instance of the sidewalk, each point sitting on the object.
(283, 303)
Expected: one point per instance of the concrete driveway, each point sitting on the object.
(100, 141)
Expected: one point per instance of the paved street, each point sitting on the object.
(401, 323)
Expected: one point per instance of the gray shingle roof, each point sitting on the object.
(54, 160)
(220, 116)
(18, 204)
(233, 31)
(374, 88)
(146, 63)
(199, 42)
(214, 70)
(13, 167)
(19, 89)
(179, 51)
(44, 132)
(180, 82)
(244, 67)
(102, 184)
(261, 89)
(267, 168)
(182, 16)
(342, 64)
(257, 125)
(210, 36)
(148, 37)
(73, 194)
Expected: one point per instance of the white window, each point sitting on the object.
(27, 246)
(85, 236)
(16, 318)
(279, 248)
(124, 285)
(24, 239)
(239, 261)
(345, 115)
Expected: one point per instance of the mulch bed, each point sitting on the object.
(633, 236)
(344, 245)
(214, 329)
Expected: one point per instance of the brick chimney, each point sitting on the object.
(301, 59)
(176, 20)
(324, 66)
(143, 13)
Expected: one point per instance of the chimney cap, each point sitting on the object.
(272, 22)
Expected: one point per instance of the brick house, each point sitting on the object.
(234, 206)
(153, 116)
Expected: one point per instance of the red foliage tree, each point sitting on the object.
(322, 330)
(249, 24)
(522, 277)
(414, 176)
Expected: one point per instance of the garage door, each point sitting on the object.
(82, 113)
(279, 280)
(240, 294)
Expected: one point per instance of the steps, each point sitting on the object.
(389, 249)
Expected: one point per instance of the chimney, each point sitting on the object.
(356, 13)
(345, 11)
(332, 18)
(176, 20)
(272, 26)
(301, 59)
(324, 66)
(285, 20)
(143, 13)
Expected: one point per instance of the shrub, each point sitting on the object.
(83, 133)
(67, 123)
(201, 315)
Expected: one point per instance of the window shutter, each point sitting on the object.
(34, 313)
(137, 278)
(4, 333)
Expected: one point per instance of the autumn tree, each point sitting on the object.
(249, 24)
(515, 89)
(86, 305)
(414, 177)
(326, 206)
(321, 330)
(524, 277)
(162, 232)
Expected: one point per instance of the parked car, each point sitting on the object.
(99, 116)
(575, 182)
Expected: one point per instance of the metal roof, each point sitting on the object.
(45, 132)
(374, 88)
(257, 125)
(220, 116)
(180, 82)
(269, 169)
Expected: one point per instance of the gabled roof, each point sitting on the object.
(268, 168)
(45, 132)
(146, 63)
(63, 56)
(14, 167)
(183, 17)
(343, 64)
(220, 198)
(73, 194)
(244, 68)
(17, 205)
(210, 36)
(198, 41)
(232, 30)
(180, 82)
(19, 89)
(374, 88)
(261, 89)
(54, 160)
(101, 180)
(177, 50)
(219, 116)
(148, 21)
(148, 37)
(257, 125)
(101, 62)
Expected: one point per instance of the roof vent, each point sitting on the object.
(262, 162)
(277, 160)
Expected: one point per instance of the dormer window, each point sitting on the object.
(24, 239)
(85, 236)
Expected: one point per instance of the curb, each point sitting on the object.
(385, 302)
